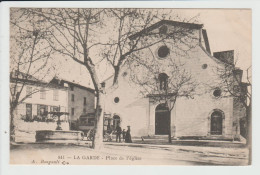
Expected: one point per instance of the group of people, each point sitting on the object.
(126, 134)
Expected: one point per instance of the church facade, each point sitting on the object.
(208, 114)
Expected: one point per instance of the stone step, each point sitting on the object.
(154, 137)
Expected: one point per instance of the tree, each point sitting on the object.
(163, 86)
(231, 82)
(28, 58)
(82, 34)
(132, 31)
(233, 86)
(72, 34)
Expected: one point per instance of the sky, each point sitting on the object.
(227, 29)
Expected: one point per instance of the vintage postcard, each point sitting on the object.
(130, 86)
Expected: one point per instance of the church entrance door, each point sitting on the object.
(162, 119)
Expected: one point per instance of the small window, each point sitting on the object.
(28, 111)
(163, 51)
(72, 111)
(42, 110)
(54, 109)
(72, 97)
(29, 92)
(72, 88)
(163, 80)
(91, 121)
(217, 93)
(163, 30)
(85, 101)
(116, 100)
(124, 74)
(103, 84)
(42, 93)
(204, 66)
(55, 95)
(237, 89)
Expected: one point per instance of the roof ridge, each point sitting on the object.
(169, 22)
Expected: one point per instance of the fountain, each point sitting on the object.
(58, 135)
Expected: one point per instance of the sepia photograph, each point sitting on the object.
(130, 86)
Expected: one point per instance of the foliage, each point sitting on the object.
(29, 56)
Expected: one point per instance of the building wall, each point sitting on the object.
(78, 103)
(190, 117)
(239, 114)
(132, 110)
(35, 99)
(25, 128)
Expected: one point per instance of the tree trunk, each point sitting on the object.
(170, 130)
(97, 142)
(12, 126)
(116, 68)
(249, 131)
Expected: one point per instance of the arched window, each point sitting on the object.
(216, 127)
(116, 121)
(163, 79)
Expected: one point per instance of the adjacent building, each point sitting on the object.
(38, 98)
(81, 105)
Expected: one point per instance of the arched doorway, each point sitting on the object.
(162, 119)
(116, 121)
(216, 123)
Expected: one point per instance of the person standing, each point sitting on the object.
(118, 133)
(128, 138)
(124, 133)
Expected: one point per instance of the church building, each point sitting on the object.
(208, 114)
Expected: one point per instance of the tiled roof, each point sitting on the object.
(21, 77)
(78, 85)
(62, 81)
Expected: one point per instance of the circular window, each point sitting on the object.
(217, 92)
(124, 74)
(204, 66)
(116, 99)
(163, 30)
(163, 51)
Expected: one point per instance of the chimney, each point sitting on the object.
(206, 40)
(225, 56)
